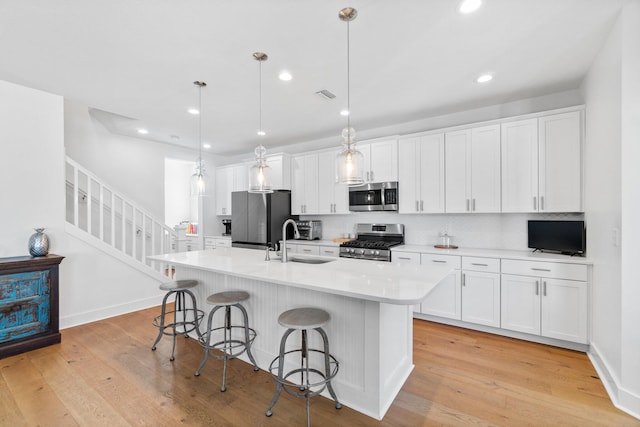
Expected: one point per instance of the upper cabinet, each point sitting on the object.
(472, 170)
(280, 165)
(228, 179)
(304, 185)
(380, 160)
(421, 177)
(542, 164)
(333, 198)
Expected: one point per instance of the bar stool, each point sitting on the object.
(231, 346)
(191, 317)
(304, 319)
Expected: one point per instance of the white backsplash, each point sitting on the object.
(489, 231)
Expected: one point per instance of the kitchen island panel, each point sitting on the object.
(372, 341)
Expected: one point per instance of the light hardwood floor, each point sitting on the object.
(104, 374)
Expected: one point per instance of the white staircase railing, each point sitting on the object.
(123, 228)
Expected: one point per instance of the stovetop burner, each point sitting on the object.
(373, 241)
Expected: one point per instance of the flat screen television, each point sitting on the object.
(566, 237)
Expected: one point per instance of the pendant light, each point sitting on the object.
(198, 179)
(260, 174)
(350, 161)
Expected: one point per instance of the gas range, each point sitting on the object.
(373, 242)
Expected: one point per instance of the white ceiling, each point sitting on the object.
(410, 59)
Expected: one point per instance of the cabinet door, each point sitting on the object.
(457, 171)
(519, 146)
(481, 298)
(332, 251)
(520, 303)
(407, 258)
(240, 177)
(308, 249)
(485, 169)
(224, 187)
(332, 197)
(384, 161)
(431, 177)
(409, 175)
(444, 300)
(560, 157)
(564, 310)
(304, 187)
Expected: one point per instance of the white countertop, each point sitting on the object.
(368, 280)
(527, 255)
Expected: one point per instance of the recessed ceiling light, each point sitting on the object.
(193, 111)
(469, 6)
(143, 131)
(484, 78)
(206, 145)
(261, 133)
(285, 76)
(344, 112)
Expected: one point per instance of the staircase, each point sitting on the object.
(100, 216)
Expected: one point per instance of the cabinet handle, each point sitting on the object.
(404, 258)
(467, 205)
(417, 208)
(544, 288)
(328, 252)
(421, 205)
(371, 175)
(439, 260)
(479, 265)
(306, 250)
(541, 203)
(535, 204)
(537, 287)
(541, 269)
(368, 176)
(473, 205)
(464, 280)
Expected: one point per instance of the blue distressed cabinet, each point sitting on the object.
(28, 303)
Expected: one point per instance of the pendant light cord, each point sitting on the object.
(348, 89)
(260, 96)
(200, 129)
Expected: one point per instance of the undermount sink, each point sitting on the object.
(310, 260)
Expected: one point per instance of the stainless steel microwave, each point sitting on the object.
(378, 196)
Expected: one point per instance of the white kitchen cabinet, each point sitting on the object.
(212, 242)
(228, 179)
(330, 251)
(280, 169)
(421, 177)
(547, 299)
(380, 160)
(333, 198)
(542, 164)
(308, 249)
(445, 299)
(472, 170)
(304, 185)
(481, 291)
(407, 258)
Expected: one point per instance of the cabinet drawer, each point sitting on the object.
(408, 257)
(223, 243)
(452, 261)
(330, 251)
(309, 249)
(490, 265)
(556, 270)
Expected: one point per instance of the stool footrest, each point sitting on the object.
(304, 390)
(192, 324)
(230, 345)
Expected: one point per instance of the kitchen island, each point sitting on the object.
(370, 303)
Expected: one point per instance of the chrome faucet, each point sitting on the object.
(296, 234)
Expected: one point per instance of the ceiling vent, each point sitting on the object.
(325, 94)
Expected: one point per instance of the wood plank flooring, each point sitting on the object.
(104, 373)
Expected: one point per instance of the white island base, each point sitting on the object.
(371, 339)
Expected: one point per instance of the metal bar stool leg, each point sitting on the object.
(207, 342)
(283, 341)
(245, 317)
(327, 367)
(161, 326)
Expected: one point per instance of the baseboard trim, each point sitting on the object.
(620, 397)
(110, 311)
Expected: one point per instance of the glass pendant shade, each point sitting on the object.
(260, 173)
(350, 161)
(198, 181)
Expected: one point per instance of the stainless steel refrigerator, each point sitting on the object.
(257, 218)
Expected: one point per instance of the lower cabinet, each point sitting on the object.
(445, 299)
(481, 291)
(332, 251)
(551, 301)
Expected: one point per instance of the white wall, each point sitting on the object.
(31, 167)
(612, 95)
(630, 154)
